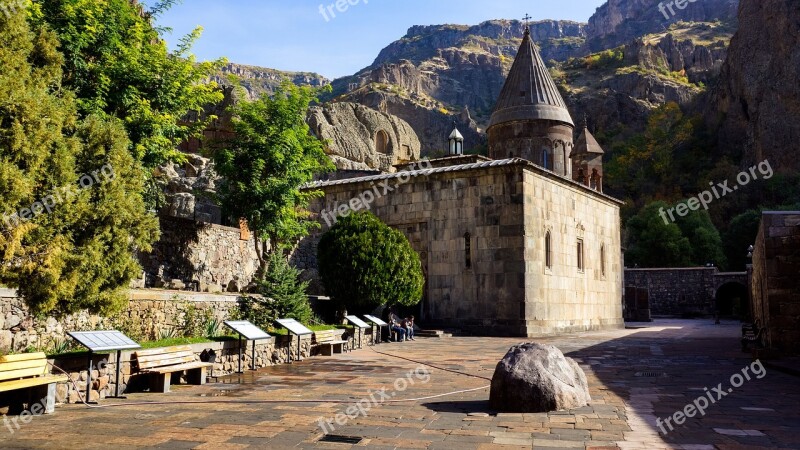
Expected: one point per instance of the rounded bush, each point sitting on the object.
(364, 263)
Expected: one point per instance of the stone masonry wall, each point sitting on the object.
(200, 256)
(676, 291)
(471, 228)
(775, 289)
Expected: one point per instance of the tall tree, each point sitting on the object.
(118, 65)
(73, 218)
(264, 167)
(654, 243)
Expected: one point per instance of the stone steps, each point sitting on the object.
(432, 334)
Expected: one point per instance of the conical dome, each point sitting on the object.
(530, 92)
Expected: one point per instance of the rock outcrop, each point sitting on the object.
(189, 190)
(758, 98)
(361, 138)
(260, 80)
(618, 22)
(535, 378)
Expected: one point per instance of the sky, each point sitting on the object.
(294, 35)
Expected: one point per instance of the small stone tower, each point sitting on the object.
(587, 160)
(531, 120)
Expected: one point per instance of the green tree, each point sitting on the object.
(118, 65)
(703, 237)
(654, 243)
(364, 263)
(268, 161)
(285, 293)
(72, 248)
(741, 234)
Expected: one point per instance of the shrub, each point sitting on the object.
(364, 263)
(284, 295)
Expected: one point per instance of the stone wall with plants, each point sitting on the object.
(150, 315)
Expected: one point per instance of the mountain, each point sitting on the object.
(757, 102)
(260, 80)
(619, 21)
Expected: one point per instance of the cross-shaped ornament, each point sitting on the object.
(527, 18)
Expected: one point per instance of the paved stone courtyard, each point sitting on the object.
(635, 375)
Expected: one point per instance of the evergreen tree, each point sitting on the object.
(73, 218)
(364, 263)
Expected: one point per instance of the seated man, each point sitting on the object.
(396, 328)
(408, 324)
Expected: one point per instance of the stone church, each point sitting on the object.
(522, 243)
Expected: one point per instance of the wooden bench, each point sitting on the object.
(164, 363)
(329, 341)
(29, 371)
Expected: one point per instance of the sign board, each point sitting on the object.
(100, 341)
(294, 327)
(357, 322)
(376, 321)
(247, 330)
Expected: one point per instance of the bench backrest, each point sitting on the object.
(164, 357)
(14, 367)
(321, 337)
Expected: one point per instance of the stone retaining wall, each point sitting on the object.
(149, 314)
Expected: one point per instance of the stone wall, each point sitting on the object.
(675, 292)
(200, 256)
(149, 314)
(775, 289)
(478, 229)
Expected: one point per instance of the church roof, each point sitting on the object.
(586, 143)
(530, 92)
(461, 168)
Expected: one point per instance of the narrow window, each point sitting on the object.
(467, 251)
(603, 260)
(580, 255)
(548, 251)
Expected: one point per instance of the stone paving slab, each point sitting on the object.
(287, 406)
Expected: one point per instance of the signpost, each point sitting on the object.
(249, 332)
(296, 328)
(360, 324)
(103, 341)
(380, 325)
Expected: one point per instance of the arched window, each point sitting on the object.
(548, 251)
(467, 251)
(382, 143)
(603, 260)
(580, 256)
(547, 160)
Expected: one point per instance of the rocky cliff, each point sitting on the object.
(260, 80)
(757, 102)
(619, 21)
(361, 138)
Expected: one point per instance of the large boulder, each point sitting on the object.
(538, 378)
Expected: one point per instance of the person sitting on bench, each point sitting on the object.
(408, 324)
(396, 328)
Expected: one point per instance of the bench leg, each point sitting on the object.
(196, 376)
(160, 382)
(49, 399)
